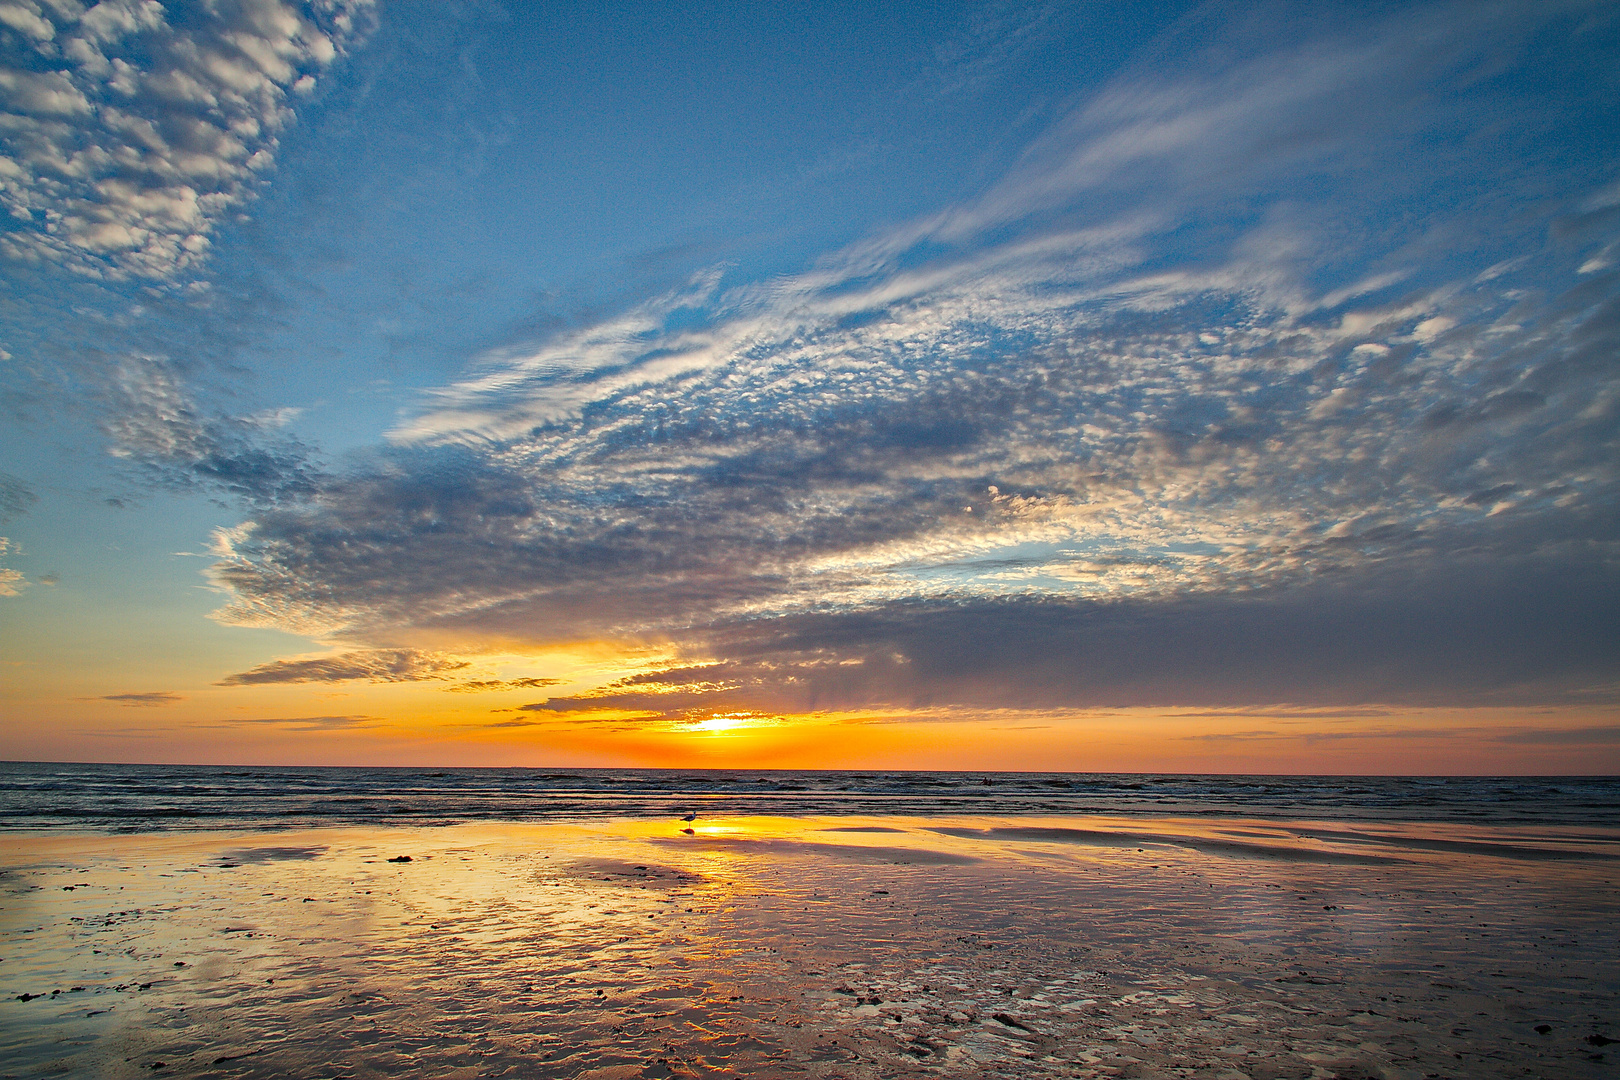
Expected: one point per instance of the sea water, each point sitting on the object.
(38, 795)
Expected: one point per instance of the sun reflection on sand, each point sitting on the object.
(845, 947)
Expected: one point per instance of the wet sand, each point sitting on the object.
(831, 947)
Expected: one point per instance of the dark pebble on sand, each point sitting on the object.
(25, 997)
(401, 858)
(1542, 1029)
(1599, 1040)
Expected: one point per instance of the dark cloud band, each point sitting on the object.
(377, 665)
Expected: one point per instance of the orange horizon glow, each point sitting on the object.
(397, 729)
(433, 724)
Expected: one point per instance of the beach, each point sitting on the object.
(817, 946)
(985, 540)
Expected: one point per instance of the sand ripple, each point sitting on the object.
(883, 947)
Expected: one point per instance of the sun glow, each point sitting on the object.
(720, 723)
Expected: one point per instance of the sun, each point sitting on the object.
(720, 723)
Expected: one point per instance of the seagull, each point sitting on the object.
(689, 817)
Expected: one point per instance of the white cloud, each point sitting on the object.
(128, 139)
(11, 581)
(809, 464)
(1159, 420)
(25, 18)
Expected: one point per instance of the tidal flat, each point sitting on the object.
(840, 946)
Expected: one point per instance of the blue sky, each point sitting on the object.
(882, 367)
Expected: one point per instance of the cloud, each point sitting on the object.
(1205, 403)
(1602, 735)
(1285, 713)
(480, 686)
(156, 424)
(313, 723)
(12, 582)
(377, 665)
(15, 497)
(1104, 456)
(129, 135)
(1357, 647)
(1424, 734)
(1251, 108)
(146, 700)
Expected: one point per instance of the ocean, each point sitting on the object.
(144, 798)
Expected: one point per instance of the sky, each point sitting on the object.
(1223, 387)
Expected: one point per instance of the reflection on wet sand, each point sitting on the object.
(814, 947)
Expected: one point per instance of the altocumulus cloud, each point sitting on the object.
(1225, 394)
(131, 133)
(131, 130)
(155, 421)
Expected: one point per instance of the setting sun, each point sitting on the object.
(727, 722)
(975, 539)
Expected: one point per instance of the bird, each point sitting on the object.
(689, 817)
